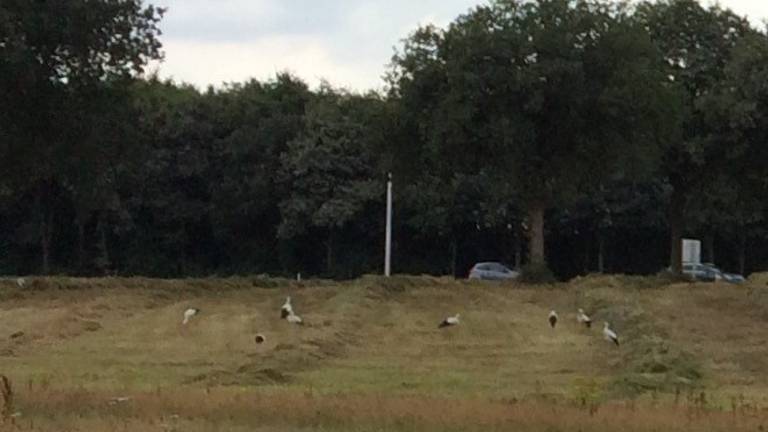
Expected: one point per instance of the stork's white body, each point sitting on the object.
(294, 319)
(610, 335)
(583, 318)
(188, 314)
(286, 310)
(552, 318)
(450, 321)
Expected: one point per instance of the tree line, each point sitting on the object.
(571, 135)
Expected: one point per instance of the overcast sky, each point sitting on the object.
(347, 42)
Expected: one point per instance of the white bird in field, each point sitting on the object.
(450, 321)
(609, 334)
(287, 309)
(189, 313)
(583, 318)
(294, 319)
(552, 318)
(20, 282)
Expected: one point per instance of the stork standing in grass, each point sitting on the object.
(287, 309)
(552, 318)
(450, 321)
(583, 318)
(609, 334)
(189, 313)
(294, 319)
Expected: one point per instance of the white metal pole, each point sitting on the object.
(388, 241)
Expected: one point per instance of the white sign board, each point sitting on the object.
(692, 251)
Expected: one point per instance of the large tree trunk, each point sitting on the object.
(600, 252)
(329, 252)
(518, 250)
(536, 233)
(45, 216)
(79, 221)
(45, 244)
(181, 259)
(105, 263)
(454, 256)
(742, 249)
(709, 248)
(676, 227)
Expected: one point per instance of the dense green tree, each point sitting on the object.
(696, 44)
(169, 192)
(551, 95)
(56, 58)
(330, 172)
(257, 121)
(612, 228)
(735, 118)
(570, 121)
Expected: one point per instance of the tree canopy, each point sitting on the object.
(602, 130)
(553, 97)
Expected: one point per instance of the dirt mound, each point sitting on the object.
(253, 374)
(758, 296)
(401, 283)
(619, 281)
(760, 279)
(90, 326)
(649, 361)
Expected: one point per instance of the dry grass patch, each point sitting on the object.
(198, 410)
(370, 356)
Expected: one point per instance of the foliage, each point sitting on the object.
(329, 171)
(696, 44)
(549, 97)
(537, 273)
(591, 127)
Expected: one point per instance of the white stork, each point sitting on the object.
(189, 313)
(553, 318)
(294, 319)
(450, 321)
(609, 334)
(583, 318)
(20, 282)
(286, 309)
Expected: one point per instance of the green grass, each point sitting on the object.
(693, 356)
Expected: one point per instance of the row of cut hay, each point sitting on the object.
(346, 412)
(394, 283)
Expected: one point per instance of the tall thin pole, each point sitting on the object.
(388, 241)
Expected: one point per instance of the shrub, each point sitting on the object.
(537, 273)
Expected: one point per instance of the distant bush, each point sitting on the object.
(400, 283)
(537, 273)
(669, 276)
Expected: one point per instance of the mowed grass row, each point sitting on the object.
(370, 355)
(285, 410)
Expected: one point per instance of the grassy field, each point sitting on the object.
(112, 355)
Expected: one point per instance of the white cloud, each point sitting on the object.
(756, 10)
(215, 63)
(347, 42)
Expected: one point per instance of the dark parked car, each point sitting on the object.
(492, 271)
(708, 272)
